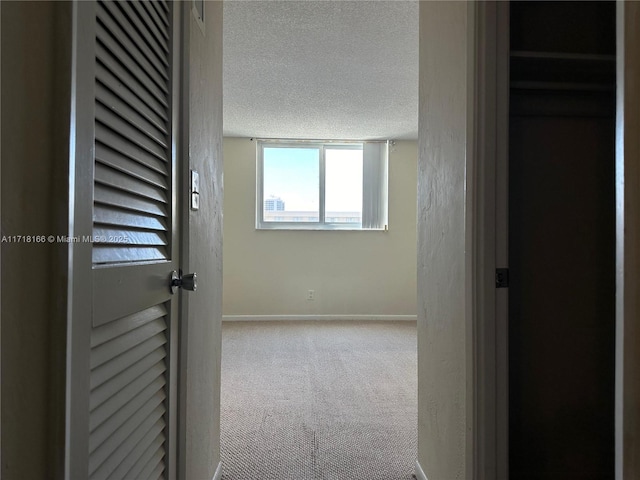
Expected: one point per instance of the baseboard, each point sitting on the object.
(419, 472)
(218, 474)
(279, 318)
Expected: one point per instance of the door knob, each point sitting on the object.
(187, 281)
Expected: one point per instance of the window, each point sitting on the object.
(321, 185)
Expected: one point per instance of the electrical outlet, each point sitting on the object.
(311, 294)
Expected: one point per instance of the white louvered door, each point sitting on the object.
(132, 354)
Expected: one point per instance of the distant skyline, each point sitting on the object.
(292, 174)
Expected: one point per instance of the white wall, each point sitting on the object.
(352, 272)
(444, 422)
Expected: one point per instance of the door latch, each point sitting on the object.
(502, 278)
(187, 281)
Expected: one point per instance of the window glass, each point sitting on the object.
(343, 185)
(291, 184)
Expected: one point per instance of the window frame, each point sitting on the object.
(321, 146)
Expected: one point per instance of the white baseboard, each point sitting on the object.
(419, 472)
(218, 474)
(277, 318)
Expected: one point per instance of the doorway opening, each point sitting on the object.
(322, 320)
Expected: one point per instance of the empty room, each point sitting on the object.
(319, 372)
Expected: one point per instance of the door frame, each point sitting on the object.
(627, 164)
(183, 191)
(488, 178)
(80, 291)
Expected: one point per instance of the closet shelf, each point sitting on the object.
(583, 57)
(562, 86)
(562, 71)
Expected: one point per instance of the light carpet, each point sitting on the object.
(319, 401)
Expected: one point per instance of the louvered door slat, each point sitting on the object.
(111, 78)
(123, 181)
(111, 216)
(130, 461)
(114, 380)
(119, 54)
(134, 35)
(120, 434)
(105, 430)
(117, 376)
(156, 473)
(164, 4)
(161, 9)
(159, 35)
(133, 134)
(115, 253)
(148, 398)
(113, 150)
(104, 461)
(116, 237)
(110, 399)
(148, 461)
(126, 324)
(113, 74)
(109, 352)
(152, 36)
(135, 51)
(130, 114)
(108, 196)
(152, 474)
(133, 248)
(158, 16)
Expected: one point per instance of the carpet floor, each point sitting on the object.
(319, 401)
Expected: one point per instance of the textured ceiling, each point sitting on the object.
(321, 69)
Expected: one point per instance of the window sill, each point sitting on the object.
(318, 228)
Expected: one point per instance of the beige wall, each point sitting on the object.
(201, 357)
(352, 272)
(443, 375)
(35, 100)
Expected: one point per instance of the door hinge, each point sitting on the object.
(502, 278)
